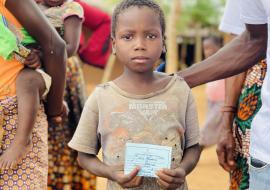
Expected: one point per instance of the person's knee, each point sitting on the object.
(29, 79)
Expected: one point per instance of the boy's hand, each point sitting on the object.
(171, 178)
(126, 181)
(33, 61)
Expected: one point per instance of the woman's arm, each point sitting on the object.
(73, 27)
(54, 49)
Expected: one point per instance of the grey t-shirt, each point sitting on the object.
(113, 117)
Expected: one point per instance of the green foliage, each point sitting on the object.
(203, 13)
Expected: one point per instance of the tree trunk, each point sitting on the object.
(172, 46)
(198, 44)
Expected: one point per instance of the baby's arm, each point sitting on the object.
(115, 173)
(73, 27)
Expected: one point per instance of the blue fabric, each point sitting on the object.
(259, 176)
(161, 67)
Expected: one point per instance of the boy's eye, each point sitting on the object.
(151, 36)
(127, 37)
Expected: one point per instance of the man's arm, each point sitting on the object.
(54, 50)
(237, 56)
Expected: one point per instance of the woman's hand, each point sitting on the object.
(59, 119)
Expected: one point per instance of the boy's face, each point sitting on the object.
(209, 48)
(138, 38)
(54, 3)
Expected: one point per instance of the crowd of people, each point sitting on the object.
(51, 133)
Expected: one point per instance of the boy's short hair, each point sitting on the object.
(125, 4)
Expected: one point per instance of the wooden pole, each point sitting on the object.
(198, 44)
(109, 69)
(172, 46)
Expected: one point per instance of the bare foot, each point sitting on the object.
(10, 158)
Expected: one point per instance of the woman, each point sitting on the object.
(64, 172)
(30, 172)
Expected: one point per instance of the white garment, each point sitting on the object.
(253, 12)
(258, 12)
(231, 22)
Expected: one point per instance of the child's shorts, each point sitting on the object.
(48, 82)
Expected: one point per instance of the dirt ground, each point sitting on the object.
(207, 175)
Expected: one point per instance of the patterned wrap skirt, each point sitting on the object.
(64, 171)
(249, 104)
(31, 171)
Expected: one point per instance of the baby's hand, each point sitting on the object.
(171, 178)
(126, 181)
(32, 61)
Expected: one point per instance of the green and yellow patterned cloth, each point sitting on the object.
(249, 104)
(8, 41)
(13, 40)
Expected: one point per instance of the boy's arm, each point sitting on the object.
(190, 158)
(54, 50)
(115, 173)
(191, 151)
(73, 27)
(92, 164)
(174, 178)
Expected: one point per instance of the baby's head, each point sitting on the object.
(138, 33)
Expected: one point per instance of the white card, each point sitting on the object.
(149, 157)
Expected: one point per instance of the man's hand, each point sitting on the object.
(226, 145)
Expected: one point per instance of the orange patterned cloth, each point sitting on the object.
(249, 104)
(64, 171)
(31, 172)
(8, 69)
